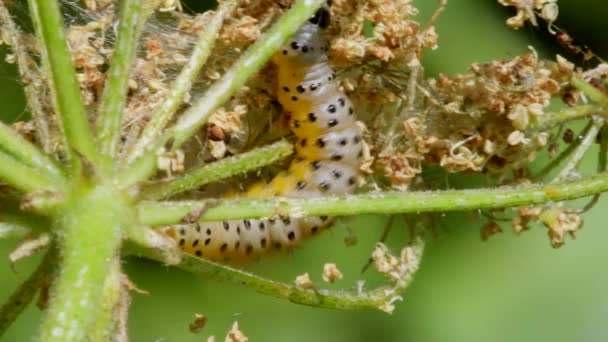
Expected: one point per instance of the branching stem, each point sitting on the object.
(378, 298)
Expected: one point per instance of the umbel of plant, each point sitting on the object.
(136, 107)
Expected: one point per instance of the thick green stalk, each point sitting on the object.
(24, 178)
(114, 97)
(183, 82)
(379, 298)
(89, 229)
(26, 152)
(24, 294)
(104, 326)
(47, 18)
(221, 169)
(164, 213)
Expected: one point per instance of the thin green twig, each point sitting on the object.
(553, 119)
(183, 82)
(221, 169)
(33, 87)
(114, 97)
(580, 151)
(25, 178)
(15, 225)
(47, 17)
(379, 298)
(592, 92)
(24, 294)
(555, 162)
(172, 212)
(602, 165)
(26, 152)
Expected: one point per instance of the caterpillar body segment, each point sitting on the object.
(328, 155)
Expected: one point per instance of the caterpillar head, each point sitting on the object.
(308, 46)
(321, 17)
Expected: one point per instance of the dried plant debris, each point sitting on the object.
(198, 324)
(331, 273)
(529, 10)
(398, 270)
(304, 281)
(559, 221)
(236, 335)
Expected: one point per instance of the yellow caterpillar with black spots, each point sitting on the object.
(328, 154)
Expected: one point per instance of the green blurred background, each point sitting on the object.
(506, 289)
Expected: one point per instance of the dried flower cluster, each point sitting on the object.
(483, 121)
(398, 270)
(528, 10)
(559, 221)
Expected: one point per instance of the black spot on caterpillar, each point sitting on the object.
(320, 114)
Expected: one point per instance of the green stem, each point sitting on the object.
(24, 294)
(104, 325)
(551, 120)
(378, 298)
(562, 156)
(23, 177)
(19, 226)
(46, 16)
(221, 169)
(592, 92)
(580, 151)
(164, 213)
(132, 19)
(89, 230)
(602, 165)
(183, 83)
(26, 152)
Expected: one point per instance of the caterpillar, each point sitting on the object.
(328, 154)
